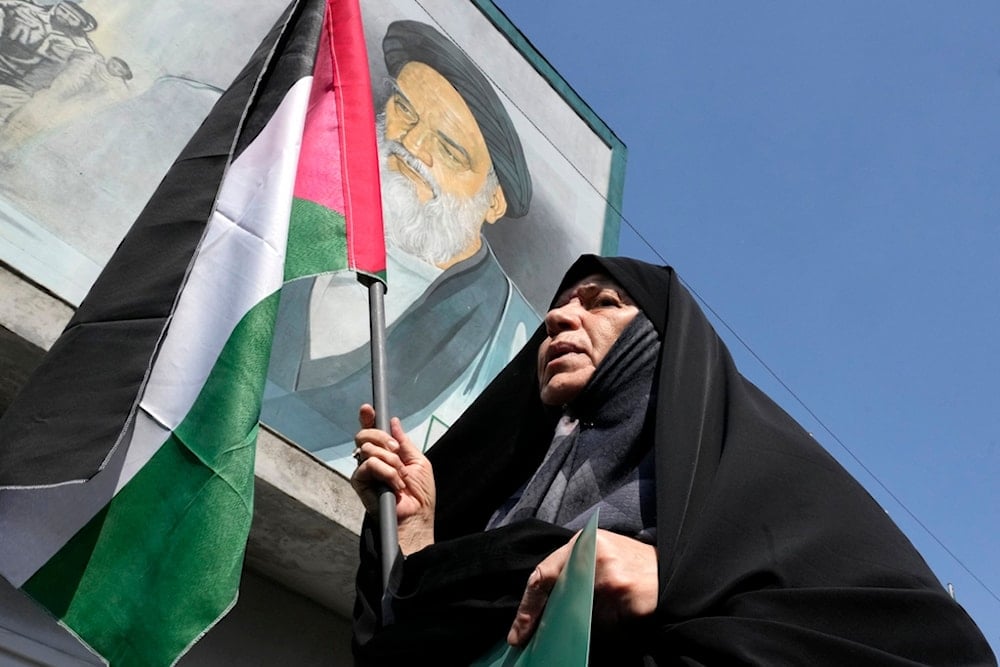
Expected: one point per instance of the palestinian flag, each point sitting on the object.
(126, 465)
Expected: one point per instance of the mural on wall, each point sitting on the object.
(45, 52)
(95, 105)
(452, 162)
(495, 177)
(462, 159)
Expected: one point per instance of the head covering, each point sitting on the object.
(412, 41)
(87, 22)
(769, 552)
(600, 459)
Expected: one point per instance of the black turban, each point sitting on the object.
(412, 41)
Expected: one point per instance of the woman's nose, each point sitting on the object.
(562, 318)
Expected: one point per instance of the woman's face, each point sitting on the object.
(584, 323)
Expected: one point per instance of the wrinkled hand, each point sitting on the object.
(625, 584)
(391, 459)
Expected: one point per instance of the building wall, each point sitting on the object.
(271, 625)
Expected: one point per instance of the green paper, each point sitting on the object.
(563, 634)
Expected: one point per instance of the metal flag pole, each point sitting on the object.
(380, 400)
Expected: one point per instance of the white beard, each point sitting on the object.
(434, 231)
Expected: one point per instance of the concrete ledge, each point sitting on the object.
(305, 526)
(31, 313)
(30, 321)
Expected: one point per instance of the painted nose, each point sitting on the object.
(417, 140)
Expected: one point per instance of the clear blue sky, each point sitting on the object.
(827, 177)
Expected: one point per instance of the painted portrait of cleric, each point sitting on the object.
(451, 162)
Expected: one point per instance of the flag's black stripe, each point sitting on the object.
(63, 424)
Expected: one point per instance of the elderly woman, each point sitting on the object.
(728, 535)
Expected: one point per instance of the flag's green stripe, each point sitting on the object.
(174, 537)
(317, 240)
(380, 275)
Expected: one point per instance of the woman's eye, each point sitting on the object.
(607, 301)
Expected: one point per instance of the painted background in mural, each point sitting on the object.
(492, 184)
(95, 104)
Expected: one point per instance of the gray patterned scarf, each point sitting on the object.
(599, 457)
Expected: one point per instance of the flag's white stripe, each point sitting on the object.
(241, 261)
(246, 234)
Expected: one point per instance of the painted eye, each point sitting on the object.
(454, 156)
(448, 153)
(405, 111)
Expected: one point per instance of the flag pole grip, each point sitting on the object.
(388, 531)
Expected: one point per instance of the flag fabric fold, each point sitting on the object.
(337, 185)
(126, 471)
